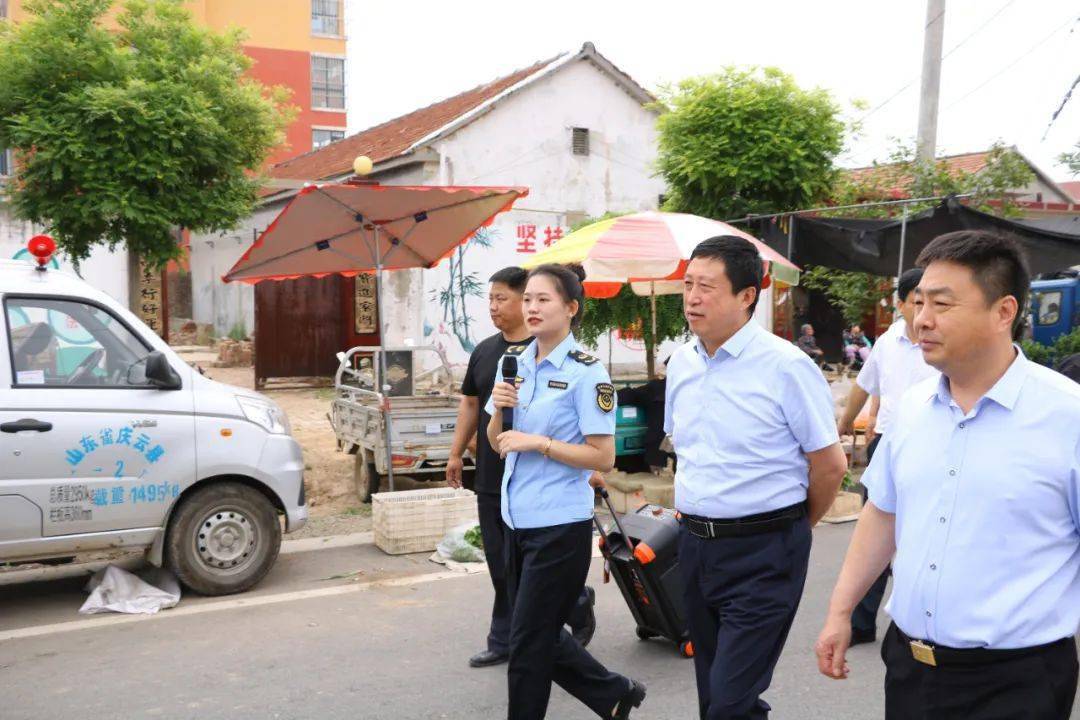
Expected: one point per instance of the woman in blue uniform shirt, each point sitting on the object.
(563, 430)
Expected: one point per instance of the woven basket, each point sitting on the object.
(413, 521)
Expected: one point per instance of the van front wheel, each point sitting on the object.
(223, 539)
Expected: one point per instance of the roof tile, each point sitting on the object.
(394, 137)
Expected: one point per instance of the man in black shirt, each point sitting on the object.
(504, 305)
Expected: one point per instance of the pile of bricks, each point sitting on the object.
(234, 353)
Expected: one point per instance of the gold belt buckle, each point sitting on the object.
(923, 653)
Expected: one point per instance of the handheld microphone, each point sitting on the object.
(509, 374)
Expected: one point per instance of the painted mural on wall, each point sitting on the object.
(459, 285)
(456, 314)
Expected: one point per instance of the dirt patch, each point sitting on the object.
(327, 472)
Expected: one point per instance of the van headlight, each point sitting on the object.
(265, 414)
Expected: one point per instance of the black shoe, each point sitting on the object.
(487, 658)
(632, 699)
(584, 633)
(862, 637)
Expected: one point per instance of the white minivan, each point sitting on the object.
(109, 440)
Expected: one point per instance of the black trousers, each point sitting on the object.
(864, 617)
(493, 532)
(1040, 686)
(545, 573)
(741, 596)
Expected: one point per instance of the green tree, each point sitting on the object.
(854, 294)
(1071, 160)
(629, 312)
(747, 141)
(905, 175)
(122, 135)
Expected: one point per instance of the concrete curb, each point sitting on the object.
(133, 561)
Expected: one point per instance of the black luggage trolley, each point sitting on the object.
(642, 553)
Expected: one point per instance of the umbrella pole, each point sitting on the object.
(384, 385)
(652, 307)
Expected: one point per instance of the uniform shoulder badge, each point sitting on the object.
(583, 358)
(605, 396)
(516, 349)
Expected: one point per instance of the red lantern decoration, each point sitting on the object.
(41, 247)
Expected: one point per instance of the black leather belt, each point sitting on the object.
(934, 655)
(711, 528)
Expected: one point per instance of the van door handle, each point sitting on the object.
(24, 425)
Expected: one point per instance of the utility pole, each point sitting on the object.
(933, 36)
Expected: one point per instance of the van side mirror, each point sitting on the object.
(159, 372)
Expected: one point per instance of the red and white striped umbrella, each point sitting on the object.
(650, 250)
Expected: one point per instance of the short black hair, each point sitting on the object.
(908, 281)
(997, 261)
(742, 262)
(512, 277)
(568, 279)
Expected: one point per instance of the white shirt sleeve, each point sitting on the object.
(869, 378)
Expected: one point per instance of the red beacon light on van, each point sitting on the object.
(43, 248)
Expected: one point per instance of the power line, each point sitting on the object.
(954, 48)
(1011, 65)
(1064, 102)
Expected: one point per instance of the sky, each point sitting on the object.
(1008, 64)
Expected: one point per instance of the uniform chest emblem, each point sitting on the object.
(605, 396)
(557, 384)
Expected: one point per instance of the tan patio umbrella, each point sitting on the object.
(361, 226)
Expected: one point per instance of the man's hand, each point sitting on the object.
(596, 480)
(454, 466)
(871, 424)
(832, 646)
(845, 426)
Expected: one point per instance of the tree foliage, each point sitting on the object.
(123, 135)
(905, 176)
(747, 141)
(1050, 355)
(854, 294)
(631, 314)
(1071, 160)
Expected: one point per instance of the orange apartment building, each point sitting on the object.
(296, 43)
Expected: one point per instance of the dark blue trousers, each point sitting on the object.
(545, 575)
(741, 596)
(493, 532)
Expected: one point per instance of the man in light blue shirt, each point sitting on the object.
(759, 462)
(976, 488)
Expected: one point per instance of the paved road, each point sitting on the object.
(388, 643)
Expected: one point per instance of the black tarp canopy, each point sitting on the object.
(873, 246)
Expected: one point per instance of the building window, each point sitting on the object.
(325, 17)
(321, 137)
(3, 9)
(579, 145)
(328, 82)
(7, 160)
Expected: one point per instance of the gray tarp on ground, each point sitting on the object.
(873, 246)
